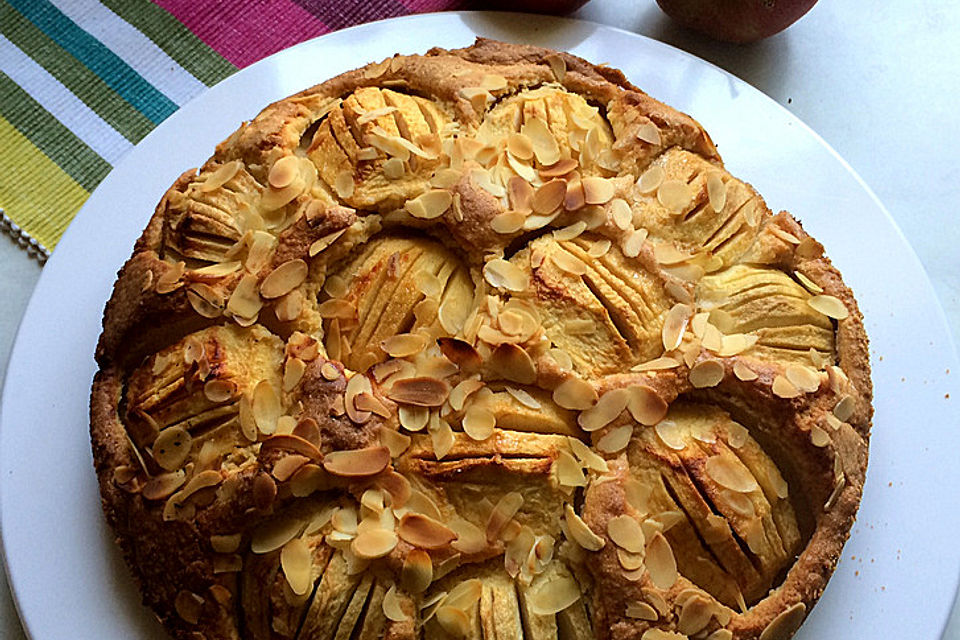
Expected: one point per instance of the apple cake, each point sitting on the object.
(483, 344)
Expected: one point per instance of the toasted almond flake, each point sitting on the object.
(520, 146)
(670, 434)
(695, 615)
(729, 472)
(819, 437)
(716, 191)
(403, 345)
(336, 308)
(357, 463)
(245, 302)
(374, 543)
(162, 486)
(575, 394)
(454, 622)
(645, 405)
(548, 197)
(629, 561)
(413, 418)
(736, 343)
(549, 597)
(324, 242)
(570, 232)
(284, 279)
(420, 391)
(621, 214)
(343, 184)
(505, 275)
(651, 179)
(219, 391)
(569, 263)
(395, 441)
(284, 171)
(661, 563)
(520, 194)
(610, 405)
(616, 439)
(674, 325)
(392, 605)
(220, 177)
(508, 222)
(479, 423)
(329, 371)
(633, 242)
(597, 190)
(561, 168)
(502, 513)
(274, 534)
(586, 455)
(637, 494)
(844, 408)
(675, 195)
(435, 203)
(423, 531)
(783, 388)
(357, 384)
(649, 133)
(558, 66)
(706, 373)
(785, 624)
(642, 611)
(545, 146)
(172, 448)
(803, 378)
(720, 634)
(441, 436)
(568, 471)
(417, 572)
(808, 284)
(743, 372)
(205, 300)
(188, 606)
(296, 562)
(513, 363)
(582, 534)
(625, 532)
(829, 306)
(657, 364)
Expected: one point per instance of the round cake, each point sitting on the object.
(480, 344)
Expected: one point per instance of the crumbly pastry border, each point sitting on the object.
(170, 558)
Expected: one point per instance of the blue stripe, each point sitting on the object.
(95, 56)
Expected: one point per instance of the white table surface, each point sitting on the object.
(877, 82)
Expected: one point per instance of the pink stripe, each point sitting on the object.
(244, 31)
(424, 6)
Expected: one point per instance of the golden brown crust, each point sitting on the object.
(480, 343)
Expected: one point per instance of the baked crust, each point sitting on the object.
(349, 343)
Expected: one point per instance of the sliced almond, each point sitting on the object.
(392, 606)
(651, 179)
(274, 534)
(730, 473)
(374, 543)
(413, 418)
(804, 378)
(616, 439)
(645, 405)
(479, 423)
(395, 441)
(783, 388)
(786, 623)
(706, 373)
(625, 532)
(513, 363)
(357, 463)
(545, 146)
(569, 263)
(641, 611)
(502, 513)
(403, 345)
(284, 279)
(675, 324)
(549, 597)
(716, 191)
(425, 532)
(417, 572)
(505, 275)
(829, 306)
(675, 195)
(420, 391)
(454, 622)
(597, 190)
(582, 534)
(568, 470)
(608, 408)
(549, 196)
(172, 448)
(575, 394)
(297, 563)
(188, 606)
(743, 372)
(669, 433)
(587, 456)
(508, 222)
(661, 563)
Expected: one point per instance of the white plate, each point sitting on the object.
(68, 578)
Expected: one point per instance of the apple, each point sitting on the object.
(739, 21)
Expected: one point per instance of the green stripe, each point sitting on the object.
(85, 84)
(60, 144)
(174, 38)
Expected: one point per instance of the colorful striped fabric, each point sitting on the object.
(82, 81)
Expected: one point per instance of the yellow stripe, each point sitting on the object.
(35, 193)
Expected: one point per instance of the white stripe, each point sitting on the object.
(134, 48)
(62, 103)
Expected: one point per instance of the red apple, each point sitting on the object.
(739, 21)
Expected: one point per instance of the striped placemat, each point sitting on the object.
(82, 81)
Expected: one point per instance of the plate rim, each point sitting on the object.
(950, 355)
